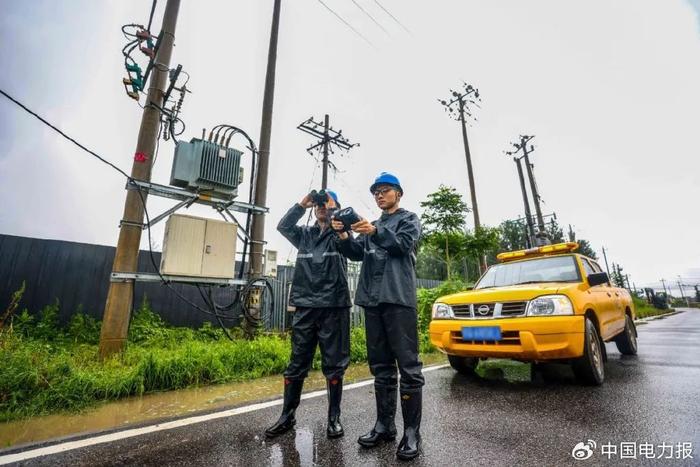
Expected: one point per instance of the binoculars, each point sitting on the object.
(320, 198)
(347, 216)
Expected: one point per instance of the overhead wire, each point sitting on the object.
(393, 17)
(150, 18)
(131, 180)
(59, 131)
(370, 16)
(358, 33)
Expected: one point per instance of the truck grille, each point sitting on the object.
(490, 310)
(508, 338)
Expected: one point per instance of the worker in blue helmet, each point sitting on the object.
(386, 289)
(321, 297)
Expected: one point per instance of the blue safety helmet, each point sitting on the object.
(385, 178)
(334, 196)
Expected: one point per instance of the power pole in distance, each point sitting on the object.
(526, 203)
(680, 287)
(257, 233)
(541, 235)
(115, 321)
(328, 137)
(605, 257)
(458, 107)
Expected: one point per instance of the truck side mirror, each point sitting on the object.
(598, 278)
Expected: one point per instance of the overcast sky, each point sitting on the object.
(610, 89)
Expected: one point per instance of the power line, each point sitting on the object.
(370, 16)
(346, 23)
(393, 17)
(45, 122)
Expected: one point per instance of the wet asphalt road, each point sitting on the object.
(652, 398)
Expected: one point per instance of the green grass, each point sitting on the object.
(644, 310)
(46, 368)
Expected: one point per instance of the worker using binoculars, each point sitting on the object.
(322, 299)
(386, 289)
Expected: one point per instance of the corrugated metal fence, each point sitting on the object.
(281, 319)
(77, 274)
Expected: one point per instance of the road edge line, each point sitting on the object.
(133, 432)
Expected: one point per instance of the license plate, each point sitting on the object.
(481, 333)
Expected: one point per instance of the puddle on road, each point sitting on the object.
(166, 404)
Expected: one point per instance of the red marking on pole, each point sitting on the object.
(140, 157)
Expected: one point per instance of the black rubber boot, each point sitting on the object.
(411, 408)
(384, 428)
(292, 396)
(335, 394)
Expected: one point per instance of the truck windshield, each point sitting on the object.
(549, 269)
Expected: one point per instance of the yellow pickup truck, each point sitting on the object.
(537, 305)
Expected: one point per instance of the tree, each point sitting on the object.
(513, 235)
(443, 220)
(618, 278)
(584, 247)
(445, 211)
(554, 231)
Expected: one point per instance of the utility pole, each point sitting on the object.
(115, 321)
(526, 203)
(328, 137)
(324, 178)
(680, 287)
(260, 199)
(528, 213)
(663, 282)
(459, 109)
(605, 257)
(533, 185)
(541, 235)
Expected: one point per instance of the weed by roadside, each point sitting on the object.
(47, 368)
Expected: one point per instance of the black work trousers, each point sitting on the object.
(392, 339)
(329, 328)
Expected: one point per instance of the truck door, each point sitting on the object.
(604, 299)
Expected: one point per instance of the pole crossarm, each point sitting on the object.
(327, 137)
(317, 130)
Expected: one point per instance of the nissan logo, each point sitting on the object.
(483, 310)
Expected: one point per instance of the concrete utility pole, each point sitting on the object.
(663, 282)
(115, 321)
(324, 178)
(680, 287)
(541, 235)
(257, 235)
(526, 203)
(258, 228)
(533, 185)
(458, 108)
(605, 257)
(328, 137)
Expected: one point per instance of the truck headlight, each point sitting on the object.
(550, 305)
(442, 311)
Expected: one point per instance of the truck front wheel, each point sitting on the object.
(589, 369)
